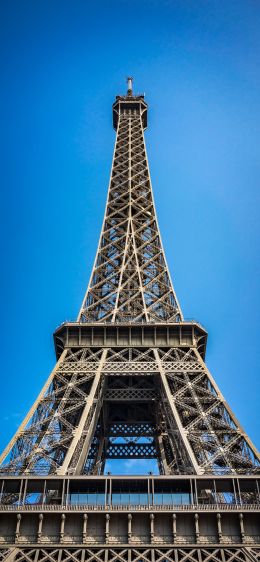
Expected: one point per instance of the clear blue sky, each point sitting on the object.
(62, 64)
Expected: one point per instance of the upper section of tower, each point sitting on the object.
(130, 104)
(130, 281)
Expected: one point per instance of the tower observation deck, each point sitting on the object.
(130, 383)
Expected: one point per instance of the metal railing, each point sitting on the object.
(131, 507)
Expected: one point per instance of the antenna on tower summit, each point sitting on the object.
(129, 85)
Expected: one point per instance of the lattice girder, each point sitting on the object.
(132, 554)
(193, 429)
(130, 279)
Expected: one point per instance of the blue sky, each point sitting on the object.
(63, 63)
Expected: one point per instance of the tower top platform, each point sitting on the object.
(130, 104)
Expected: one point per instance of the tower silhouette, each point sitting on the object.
(130, 383)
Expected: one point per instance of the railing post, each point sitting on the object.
(152, 526)
(242, 529)
(197, 529)
(39, 533)
(107, 527)
(129, 529)
(85, 526)
(174, 527)
(219, 527)
(18, 524)
(62, 526)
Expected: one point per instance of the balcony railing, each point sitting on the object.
(129, 508)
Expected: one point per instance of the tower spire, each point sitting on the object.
(129, 86)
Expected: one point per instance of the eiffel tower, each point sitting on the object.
(130, 384)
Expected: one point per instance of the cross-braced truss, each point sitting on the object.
(130, 280)
(132, 403)
(191, 554)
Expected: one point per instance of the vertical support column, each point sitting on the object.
(219, 527)
(63, 493)
(258, 491)
(44, 492)
(106, 498)
(234, 490)
(62, 526)
(110, 492)
(18, 524)
(20, 492)
(107, 527)
(39, 533)
(197, 529)
(215, 491)
(242, 528)
(129, 527)
(85, 527)
(174, 526)
(152, 527)
(196, 491)
(2, 490)
(191, 492)
(24, 491)
(67, 494)
(239, 491)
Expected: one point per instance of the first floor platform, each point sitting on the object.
(130, 512)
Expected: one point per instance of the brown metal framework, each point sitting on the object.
(130, 383)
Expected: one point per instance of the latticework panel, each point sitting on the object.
(131, 403)
(191, 554)
(215, 437)
(130, 279)
(44, 439)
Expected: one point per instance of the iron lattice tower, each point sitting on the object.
(130, 383)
